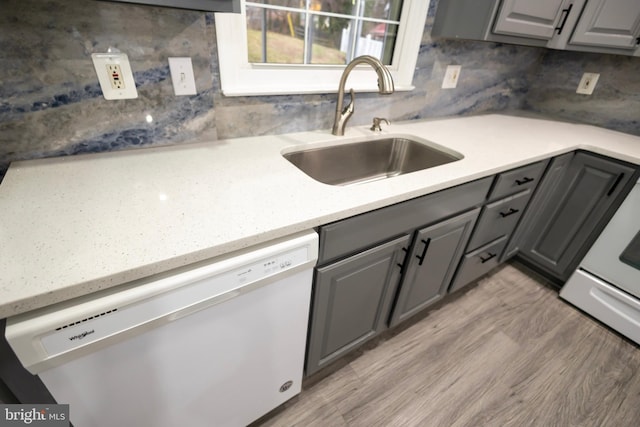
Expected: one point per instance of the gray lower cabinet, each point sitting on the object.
(574, 202)
(508, 200)
(478, 263)
(431, 263)
(352, 300)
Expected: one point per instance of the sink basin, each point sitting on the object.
(370, 160)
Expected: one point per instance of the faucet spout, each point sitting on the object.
(385, 87)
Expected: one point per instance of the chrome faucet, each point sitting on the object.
(385, 87)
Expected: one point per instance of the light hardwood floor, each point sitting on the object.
(506, 352)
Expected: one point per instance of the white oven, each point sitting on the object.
(607, 283)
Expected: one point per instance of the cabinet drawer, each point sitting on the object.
(360, 232)
(478, 262)
(498, 219)
(516, 180)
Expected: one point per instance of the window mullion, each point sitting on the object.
(353, 33)
(307, 28)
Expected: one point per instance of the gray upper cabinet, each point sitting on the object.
(352, 300)
(232, 6)
(609, 23)
(608, 26)
(538, 19)
(432, 260)
(572, 205)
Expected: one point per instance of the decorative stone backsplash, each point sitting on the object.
(51, 103)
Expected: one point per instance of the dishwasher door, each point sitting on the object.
(220, 345)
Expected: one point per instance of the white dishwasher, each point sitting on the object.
(216, 344)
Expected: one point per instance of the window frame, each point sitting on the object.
(241, 78)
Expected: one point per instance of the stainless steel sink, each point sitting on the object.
(370, 160)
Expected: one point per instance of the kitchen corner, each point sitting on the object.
(179, 246)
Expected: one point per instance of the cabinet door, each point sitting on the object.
(609, 23)
(548, 186)
(351, 302)
(537, 19)
(432, 261)
(569, 216)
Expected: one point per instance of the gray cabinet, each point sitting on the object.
(609, 23)
(362, 262)
(538, 19)
(574, 202)
(352, 300)
(431, 263)
(478, 263)
(204, 5)
(608, 26)
(499, 218)
(497, 222)
(552, 179)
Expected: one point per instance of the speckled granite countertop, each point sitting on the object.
(73, 225)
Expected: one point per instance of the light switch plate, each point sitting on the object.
(182, 76)
(115, 75)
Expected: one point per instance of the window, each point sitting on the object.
(301, 46)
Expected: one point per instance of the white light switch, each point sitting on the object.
(182, 76)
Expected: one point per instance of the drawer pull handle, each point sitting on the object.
(491, 256)
(424, 251)
(511, 212)
(524, 181)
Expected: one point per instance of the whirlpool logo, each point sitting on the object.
(81, 335)
(34, 415)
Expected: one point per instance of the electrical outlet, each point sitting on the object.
(115, 76)
(450, 80)
(182, 76)
(588, 83)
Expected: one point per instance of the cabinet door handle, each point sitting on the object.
(566, 13)
(424, 251)
(615, 184)
(523, 181)
(511, 212)
(491, 256)
(401, 264)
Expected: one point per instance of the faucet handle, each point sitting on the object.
(376, 123)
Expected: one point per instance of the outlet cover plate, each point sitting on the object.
(451, 75)
(588, 83)
(182, 76)
(103, 63)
